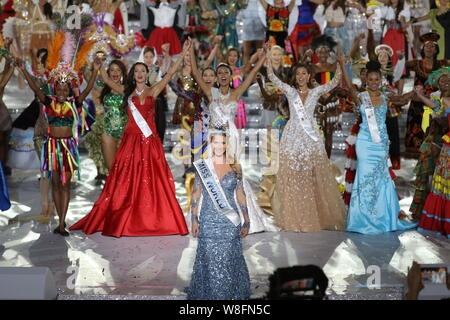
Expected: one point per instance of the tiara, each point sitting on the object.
(217, 131)
(222, 64)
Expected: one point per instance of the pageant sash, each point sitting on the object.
(212, 184)
(139, 119)
(304, 121)
(371, 119)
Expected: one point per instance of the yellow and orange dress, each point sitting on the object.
(277, 31)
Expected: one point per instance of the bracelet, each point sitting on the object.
(194, 218)
(246, 224)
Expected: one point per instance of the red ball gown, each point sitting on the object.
(139, 195)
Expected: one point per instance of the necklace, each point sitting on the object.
(139, 92)
(301, 91)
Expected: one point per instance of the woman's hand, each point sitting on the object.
(244, 230)
(98, 63)
(187, 46)
(165, 49)
(340, 57)
(194, 229)
(217, 39)
(20, 64)
(267, 51)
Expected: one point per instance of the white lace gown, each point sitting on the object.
(222, 114)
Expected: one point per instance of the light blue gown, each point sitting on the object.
(220, 271)
(374, 204)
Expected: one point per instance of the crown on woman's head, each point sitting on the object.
(222, 64)
(218, 130)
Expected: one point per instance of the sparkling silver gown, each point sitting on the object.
(307, 192)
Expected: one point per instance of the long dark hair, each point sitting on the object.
(400, 7)
(215, 73)
(225, 65)
(373, 67)
(293, 80)
(150, 49)
(48, 10)
(107, 89)
(130, 84)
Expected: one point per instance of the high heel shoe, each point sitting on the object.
(64, 233)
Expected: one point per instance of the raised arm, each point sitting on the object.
(355, 52)
(247, 67)
(197, 76)
(196, 195)
(284, 87)
(337, 77)
(238, 92)
(432, 103)
(166, 61)
(292, 4)
(264, 93)
(116, 5)
(420, 19)
(264, 3)
(371, 43)
(97, 65)
(33, 85)
(157, 88)
(349, 84)
(6, 75)
(214, 51)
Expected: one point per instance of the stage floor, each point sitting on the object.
(160, 267)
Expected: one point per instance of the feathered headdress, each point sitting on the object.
(64, 61)
(107, 38)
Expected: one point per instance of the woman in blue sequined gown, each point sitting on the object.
(374, 205)
(220, 271)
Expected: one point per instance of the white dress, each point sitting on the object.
(222, 114)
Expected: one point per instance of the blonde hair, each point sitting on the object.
(235, 166)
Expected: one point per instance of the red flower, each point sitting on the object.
(270, 12)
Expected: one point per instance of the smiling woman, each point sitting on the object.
(374, 207)
(139, 194)
(60, 158)
(304, 166)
